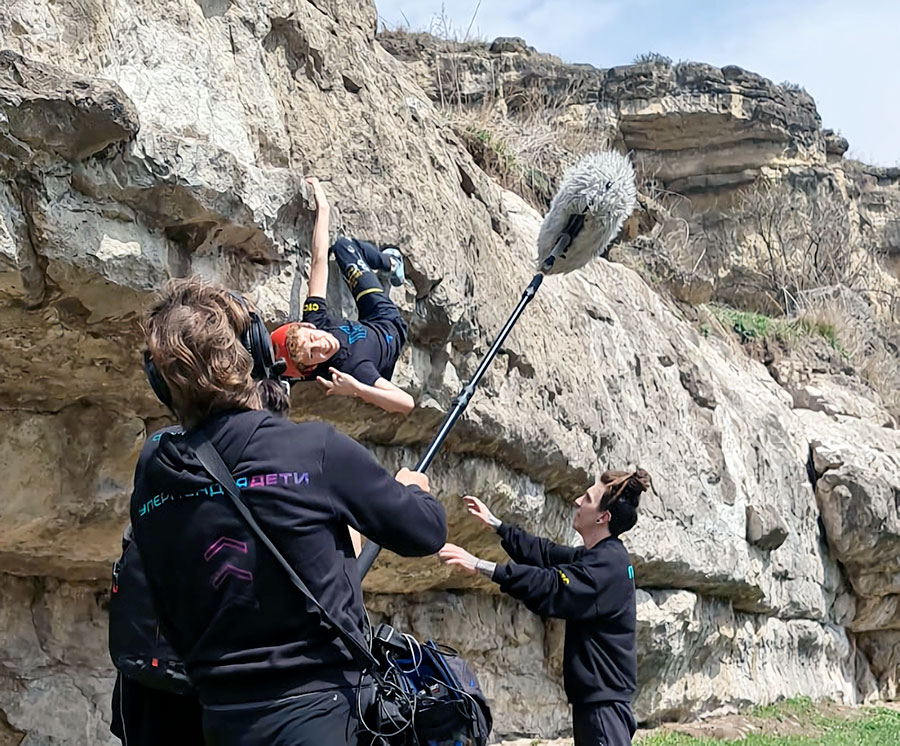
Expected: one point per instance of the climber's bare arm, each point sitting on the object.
(318, 268)
(382, 393)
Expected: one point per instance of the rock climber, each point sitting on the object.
(591, 587)
(348, 358)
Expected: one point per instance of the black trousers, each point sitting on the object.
(142, 716)
(603, 724)
(316, 719)
(357, 259)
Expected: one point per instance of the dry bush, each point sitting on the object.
(661, 244)
(684, 248)
(654, 58)
(524, 138)
(795, 241)
(880, 370)
(526, 148)
(790, 86)
(866, 343)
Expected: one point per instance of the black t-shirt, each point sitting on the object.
(228, 608)
(593, 590)
(369, 348)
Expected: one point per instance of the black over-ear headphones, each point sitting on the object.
(257, 342)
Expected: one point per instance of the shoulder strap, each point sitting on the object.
(211, 460)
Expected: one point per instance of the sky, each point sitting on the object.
(845, 53)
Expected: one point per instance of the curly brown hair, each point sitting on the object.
(193, 332)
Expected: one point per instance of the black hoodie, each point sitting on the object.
(593, 590)
(244, 631)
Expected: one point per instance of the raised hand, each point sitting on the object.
(318, 193)
(407, 477)
(481, 512)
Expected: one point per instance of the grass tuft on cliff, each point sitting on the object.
(749, 325)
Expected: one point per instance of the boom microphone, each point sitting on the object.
(595, 198)
(599, 189)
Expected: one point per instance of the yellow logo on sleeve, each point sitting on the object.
(563, 577)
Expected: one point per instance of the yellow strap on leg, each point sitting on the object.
(366, 292)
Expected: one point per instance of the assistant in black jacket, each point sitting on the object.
(268, 669)
(150, 704)
(592, 588)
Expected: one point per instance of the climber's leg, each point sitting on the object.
(356, 259)
(373, 305)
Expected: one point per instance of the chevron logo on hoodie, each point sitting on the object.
(354, 332)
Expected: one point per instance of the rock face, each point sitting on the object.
(47, 110)
(56, 681)
(733, 659)
(765, 527)
(858, 491)
(696, 126)
(744, 199)
(192, 126)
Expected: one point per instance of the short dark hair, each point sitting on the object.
(622, 497)
(275, 397)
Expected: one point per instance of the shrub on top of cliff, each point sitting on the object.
(794, 87)
(443, 27)
(492, 153)
(526, 155)
(440, 26)
(527, 148)
(507, 159)
(653, 58)
(447, 41)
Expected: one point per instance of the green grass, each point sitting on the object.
(749, 326)
(796, 707)
(504, 153)
(869, 727)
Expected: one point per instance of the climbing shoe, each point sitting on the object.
(398, 274)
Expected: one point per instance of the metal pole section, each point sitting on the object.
(370, 550)
(465, 396)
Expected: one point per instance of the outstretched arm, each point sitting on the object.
(318, 268)
(386, 395)
(570, 591)
(527, 549)
(521, 546)
(397, 513)
(382, 393)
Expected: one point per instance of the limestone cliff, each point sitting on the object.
(161, 138)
